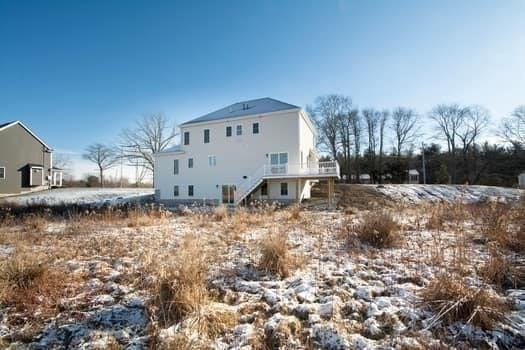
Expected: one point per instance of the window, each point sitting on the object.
(186, 137)
(239, 130)
(264, 189)
(190, 163)
(228, 131)
(212, 160)
(190, 190)
(284, 189)
(206, 135)
(255, 128)
(2, 172)
(175, 166)
(228, 194)
(176, 191)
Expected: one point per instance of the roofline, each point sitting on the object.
(247, 116)
(18, 122)
(167, 153)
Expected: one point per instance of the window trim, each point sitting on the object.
(258, 128)
(229, 130)
(186, 141)
(3, 173)
(238, 130)
(190, 164)
(264, 189)
(176, 170)
(192, 192)
(207, 139)
(285, 188)
(178, 191)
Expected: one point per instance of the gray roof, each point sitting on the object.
(6, 124)
(243, 108)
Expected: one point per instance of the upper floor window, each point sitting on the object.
(206, 135)
(176, 191)
(190, 162)
(228, 131)
(255, 128)
(239, 130)
(2, 173)
(190, 190)
(186, 137)
(212, 160)
(175, 166)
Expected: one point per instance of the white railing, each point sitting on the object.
(330, 168)
(246, 185)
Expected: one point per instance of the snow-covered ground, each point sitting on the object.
(339, 297)
(91, 196)
(448, 193)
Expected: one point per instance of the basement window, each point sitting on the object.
(284, 189)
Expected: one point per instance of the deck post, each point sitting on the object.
(330, 192)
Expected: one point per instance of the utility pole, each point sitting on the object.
(423, 160)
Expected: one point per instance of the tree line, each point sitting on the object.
(385, 144)
(379, 142)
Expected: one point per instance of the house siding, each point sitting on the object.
(236, 156)
(18, 148)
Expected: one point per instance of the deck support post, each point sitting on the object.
(330, 192)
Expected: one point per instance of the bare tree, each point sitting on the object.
(346, 125)
(327, 113)
(357, 131)
(63, 162)
(382, 123)
(105, 157)
(513, 128)
(450, 119)
(476, 120)
(404, 123)
(150, 134)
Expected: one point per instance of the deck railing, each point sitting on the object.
(319, 168)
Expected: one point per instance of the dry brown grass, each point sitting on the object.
(33, 287)
(504, 271)
(276, 256)
(180, 285)
(220, 213)
(452, 299)
(378, 229)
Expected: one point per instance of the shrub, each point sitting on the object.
(276, 257)
(378, 229)
(452, 299)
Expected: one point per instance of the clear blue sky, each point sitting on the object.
(79, 71)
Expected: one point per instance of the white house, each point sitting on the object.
(258, 149)
(521, 180)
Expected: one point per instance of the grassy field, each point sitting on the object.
(432, 275)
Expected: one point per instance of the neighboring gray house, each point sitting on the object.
(26, 162)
